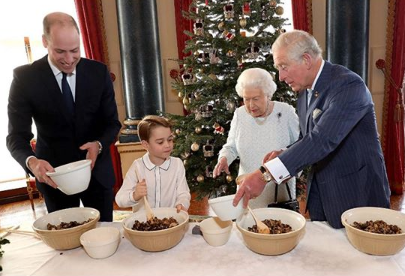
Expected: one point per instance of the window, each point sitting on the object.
(19, 19)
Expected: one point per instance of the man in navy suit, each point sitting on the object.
(338, 135)
(63, 136)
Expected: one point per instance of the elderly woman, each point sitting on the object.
(258, 127)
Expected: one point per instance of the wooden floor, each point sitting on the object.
(20, 212)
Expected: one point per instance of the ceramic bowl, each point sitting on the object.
(156, 240)
(72, 178)
(223, 208)
(272, 244)
(100, 243)
(372, 243)
(215, 231)
(66, 238)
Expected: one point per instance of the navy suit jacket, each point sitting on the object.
(35, 93)
(339, 140)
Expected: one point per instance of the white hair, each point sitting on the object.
(256, 78)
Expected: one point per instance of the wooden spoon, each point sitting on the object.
(22, 232)
(261, 227)
(148, 210)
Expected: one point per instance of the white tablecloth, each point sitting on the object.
(323, 251)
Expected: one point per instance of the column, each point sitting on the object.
(141, 63)
(347, 29)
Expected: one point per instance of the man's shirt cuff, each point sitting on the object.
(277, 170)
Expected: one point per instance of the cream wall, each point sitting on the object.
(168, 47)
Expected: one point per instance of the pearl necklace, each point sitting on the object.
(260, 120)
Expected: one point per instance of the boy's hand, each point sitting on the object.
(180, 207)
(140, 190)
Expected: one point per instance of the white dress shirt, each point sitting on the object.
(166, 184)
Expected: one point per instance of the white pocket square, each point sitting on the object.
(316, 113)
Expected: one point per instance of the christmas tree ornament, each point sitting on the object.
(281, 31)
(229, 178)
(208, 150)
(204, 56)
(185, 162)
(198, 130)
(273, 3)
(186, 101)
(218, 129)
(263, 10)
(230, 53)
(228, 12)
(228, 35)
(207, 110)
(212, 76)
(209, 171)
(243, 22)
(214, 59)
(195, 146)
(242, 33)
(200, 178)
(198, 27)
(221, 26)
(230, 106)
(197, 95)
(198, 116)
(180, 94)
(185, 155)
(279, 10)
(178, 131)
(253, 51)
(188, 78)
(246, 9)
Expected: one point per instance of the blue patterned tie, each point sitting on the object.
(67, 95)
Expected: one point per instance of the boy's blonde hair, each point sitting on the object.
(148, 123)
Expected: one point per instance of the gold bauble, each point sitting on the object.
(198, 130)
(273, 3)
(242, 22)
(229, 178)
(186, 107)
(200, 178)
(279, 10)
(186, 101)
(180, 94)
(185, 162)
(195, 146)
(212, 76)
(178, 131)
(221, 26)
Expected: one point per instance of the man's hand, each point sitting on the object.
(39, 168)
(92, 151)
(222, 166)
(251, 186)
(271, 155)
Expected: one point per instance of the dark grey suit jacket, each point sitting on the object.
(35, 93)
(339, 140)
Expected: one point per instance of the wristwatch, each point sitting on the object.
(266, 176)
(100, 146)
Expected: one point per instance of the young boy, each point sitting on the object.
(162, 178)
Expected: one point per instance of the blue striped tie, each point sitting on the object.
(67, 95)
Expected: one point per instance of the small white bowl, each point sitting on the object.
(215, 231)
(72, 178)
(100, 243)
(224, 209)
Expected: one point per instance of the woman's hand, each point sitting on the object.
(140, 190)
(222, 166)
(271, 155)
(180, 207)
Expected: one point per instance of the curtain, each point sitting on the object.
(302, 15)
(182, 24)
(91, 22)
(393, 124)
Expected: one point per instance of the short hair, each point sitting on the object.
(256, 78)
(150, 122)
(297, 43)
(58, 18)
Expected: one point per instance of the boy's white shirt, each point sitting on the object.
(166, 184)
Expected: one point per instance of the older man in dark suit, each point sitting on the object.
(338, 135)
(81, 125)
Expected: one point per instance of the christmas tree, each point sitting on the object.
(228, 37)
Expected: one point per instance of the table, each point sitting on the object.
(323, 251)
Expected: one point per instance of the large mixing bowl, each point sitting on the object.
(372, 243)
(272, 244)
(66, 238)
(156, 240)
